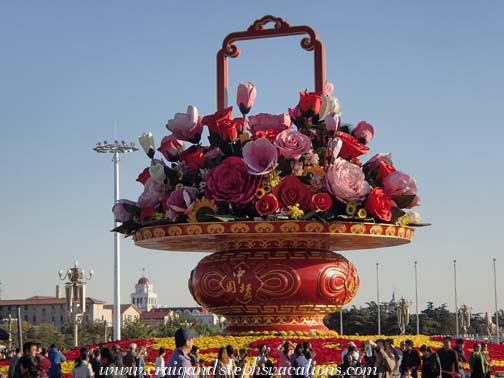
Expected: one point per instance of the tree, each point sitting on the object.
(136, 329)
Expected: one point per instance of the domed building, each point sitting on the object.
(144, 296)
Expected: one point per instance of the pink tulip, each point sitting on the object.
(181, 201)
(246, 97)
(186, 126)
(346, 181)
(332, 122)
(363, 132)
(152, 195)
(329, 89)
(120, 213)
(296, 115)
(399, 183)
(171, 147)
(373, 163)
(260, 156)
(292, 144)
(264, 122)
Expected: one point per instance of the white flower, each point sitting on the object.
(414, 217)
(311, 158)
(297, 168)
(146, 140)
(329, 104)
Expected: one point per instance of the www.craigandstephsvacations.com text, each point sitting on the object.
(246, 371)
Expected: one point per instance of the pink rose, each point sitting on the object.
(231, 182)
(265, 121)
(120, 213)
(152, 195)
(346, 181)
(246, 97)
(399, 184)
(260, 156)
(186, 126)
(332, 122)
(181, 201)
(297, 115)
(171, 147)
(363, 132)
(292, 144)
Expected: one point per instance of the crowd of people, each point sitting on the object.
(379, 359)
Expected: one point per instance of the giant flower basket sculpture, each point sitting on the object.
(271, 197)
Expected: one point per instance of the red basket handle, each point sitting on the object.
(258, 31)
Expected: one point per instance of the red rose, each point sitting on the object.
(351, 147)
(310, 102)
(220, 123)
(379, 205)
(144, 176)
(291, 191)
(269, 134)
(268, 204)
(217, 116)
(321, 201)
(194, 157)
(231, 182)
(146, 213)
(384, 170)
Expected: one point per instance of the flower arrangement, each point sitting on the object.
(300, 165)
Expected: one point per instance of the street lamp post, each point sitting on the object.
(456, 304)
(378, 298)
(116, 148)
(496, 303)
(416, 300)
(75, 291)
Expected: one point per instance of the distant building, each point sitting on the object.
(129, 312)
(41, 309)
(144, 296)
(159, 316)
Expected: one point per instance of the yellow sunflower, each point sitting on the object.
(202, 209)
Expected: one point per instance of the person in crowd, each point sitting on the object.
(222, 368)
(43, 363)
(194, 355)
(140, 363)
(410, 360)
(233, 360)
(129, 360)
(26, 367)
(180, 357)
(95, 362)
(55, 358)
(477, 362)
(82, 368)
(160, 363)
(117, 355)
(486, 354)
(353, 347)
(431, 366)
(12, 363)
(351, 359)
(369, 359)
(448, 358)
(459, 348)
(299, 363)
(285, 352)
(385, 359)
(109, 359)
(262, 359)
(242, 360)
(308, 351)
(202, 371)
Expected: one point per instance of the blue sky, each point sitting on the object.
(428, 75)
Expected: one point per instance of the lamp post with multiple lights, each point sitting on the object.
(116, 148)
(75, 292)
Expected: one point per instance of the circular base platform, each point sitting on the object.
(220, 236)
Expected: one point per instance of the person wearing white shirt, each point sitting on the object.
(160, 363)
(82, 367)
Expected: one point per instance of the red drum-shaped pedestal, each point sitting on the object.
(280, 289)
(273, 275)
